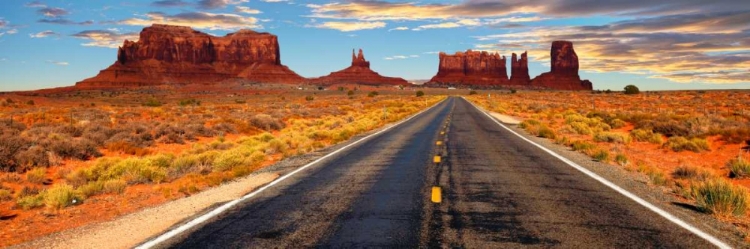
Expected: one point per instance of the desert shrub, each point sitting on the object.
(420, 93)
(601, 156)
(309, 98)
(199, 129)
(739, 168)
(678, 144)
(27, 191)
(35, 156)
(114, 186)
(581, 128)
(5, 195)
(36, 175)
(127, 148)
(529, 123)
(135, 170)
(228, 160)
(690, 173)
(350, 92)
(735, 135)
(546, 132)
(372, 94)
(225, 128)
(513, 91)
(668, 127)
(266, 122)
(30, 102)
(61, 196)
(183, 165)
(657, 177)
(31, 201)
(91, 189)
(621, 159)
(10, 145)
(642, 135)
(632, 89)
(72, 130)
(169, 134)
(612, 137)
(617, 123)
(583, 146)
(152, 102)
(161, 160)
(187, 102)
(717, 196)
(472, 92)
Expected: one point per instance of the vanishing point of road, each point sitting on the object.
(496, 191)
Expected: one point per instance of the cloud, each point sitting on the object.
(401, 57)
(35, 4)
(3, 23)
(170, 3)
(274, 1)
(200, 20)
(52, 12)
(398, 28)
(216, 4)
(349, 26)
(246, 10)
(44, 34)
(719, 22)
(59, 63)
(12, 31)
(63, 21)
(448, 25)
(105, 38)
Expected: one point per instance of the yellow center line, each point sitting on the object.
(439, 143)
(436, 194)
(436, 159)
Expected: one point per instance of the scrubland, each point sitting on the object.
(68, 159)
(693, 144)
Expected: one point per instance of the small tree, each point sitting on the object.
(420, 93)
(372, 94)
(631, 89)
(472, 92)
(350, 93)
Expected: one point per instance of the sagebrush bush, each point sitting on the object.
(583, 146)
(643, 135)
(31, 201)
(581, 128)
(601, 156)
(5, 194)
(718, 196)
(678, 144)
(739, 168)
(266, 122)
(91, 189)
(228, 160)
(61, 196)
(36, 175)
(546, 132)
(690, 173)
(114, 186)
(612, 137)
(621, 159)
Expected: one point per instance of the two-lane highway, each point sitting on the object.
(498, 191)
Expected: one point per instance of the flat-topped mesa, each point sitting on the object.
(166, 54)
(564, 73)
(358, 73)
(519, 70)
(471, 68)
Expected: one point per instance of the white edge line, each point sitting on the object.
(713, 240)
(221, 209)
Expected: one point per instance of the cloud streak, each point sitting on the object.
(105, 38)
(349, 26)
(200, 20)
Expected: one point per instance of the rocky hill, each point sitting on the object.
(358, 73)
(471, 68)
(564, 74)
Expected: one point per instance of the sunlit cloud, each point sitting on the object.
(200, 20)
(59, 63)
(401, 57)
(216, 4)
(35, 4)
(105, 38)
(448, 25)
(44, 34)
(170, 3)
(63, 21)
(52, 12)
(398, 28)
(349, 26)
(246, 10)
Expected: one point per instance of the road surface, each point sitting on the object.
(498, 191)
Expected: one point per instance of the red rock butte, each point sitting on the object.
(166, 54)
(471, 68)
(358, 73)
(482, 69)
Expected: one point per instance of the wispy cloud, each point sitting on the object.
(170, 3)
(448, 25)
(200, 20)
(401, 57)
(44, 34)
(59, 63)
(63, 21)
(217, 4)
(35, 4)
(246, 10)
(398, 28)
(349, 26)
(105, 38)
(52, 12)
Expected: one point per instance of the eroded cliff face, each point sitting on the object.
(471, 67)
(358, 73)
(166, 54)
(519, 70)
(564, 72)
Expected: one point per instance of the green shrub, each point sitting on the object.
(5, 195)
(643, 135)
(152, 102)
(617, 123)
(621, 159)
(612, 137)
(583, 146)
(581, 128)
(228, 160)
(657, 177)
(690, 173)
(472, 92)
(632, 89)
(61, 196)
(135, 170)
(718, 196)
(678, 144)
(601, 156)
(350, 92)
(91, 189)
(738, 168)
(161, 160)
(36, 175)
(372, 94)
(546, 132)
(529, 123)
(31, 201)
(309, 98)
(115, 186)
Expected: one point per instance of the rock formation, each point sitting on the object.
(358, 73)
(471, 68)
(166, 54)
(564, 74)
(519, 70)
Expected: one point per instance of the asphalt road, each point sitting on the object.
(498, 191)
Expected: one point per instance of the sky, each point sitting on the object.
(654, 44)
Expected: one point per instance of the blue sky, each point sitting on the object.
(653, 44)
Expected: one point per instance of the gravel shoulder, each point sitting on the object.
(638, 184)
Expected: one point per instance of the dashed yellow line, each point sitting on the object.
(436, 195)
(436, 159)
(438, 143)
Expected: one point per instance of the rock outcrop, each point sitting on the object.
(564, 74)
(166, 54)
(519, 70)
(471, 68)
(358, 73)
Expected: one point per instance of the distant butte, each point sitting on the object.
(358, 73)
(471, 68)
(564, 74)
(167, 54)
